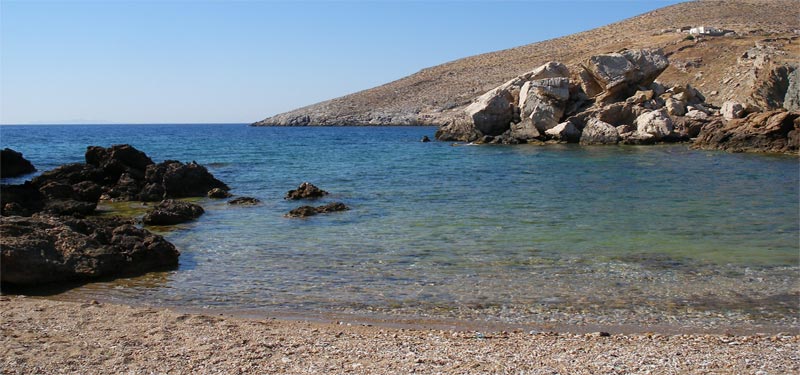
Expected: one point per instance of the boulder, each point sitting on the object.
(655, 123)
(771, 131)
(218, 193)
(544, 101)
(425, 139)
(731, 110)
(493, 111)
(565, 131)
(305, 191)
(640, 97)
(620, 74)
(305, 211)
(171, 212)
(45, 249)
(524, 130)
(599, 132)
(244, 201)
(675, 107)
(13, 164)
(178, 180)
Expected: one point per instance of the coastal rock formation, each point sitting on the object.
(171, 212)
(13, 164)
(771, 131)
(619, 75)
(174, 179)
(305, 191)
(598, 132)
(244, 201)
(44, 249)
(306, 211)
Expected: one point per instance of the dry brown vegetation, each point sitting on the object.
(430, 95)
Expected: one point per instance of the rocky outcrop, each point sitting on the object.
(771, 131)
(619, 75)
(13, 164)
(306, 211)
(306, 190)
(44, 249)
(244, 201)
(731, 110)
(119, 172)
(171, 212)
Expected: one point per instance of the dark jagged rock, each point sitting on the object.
(45, 249)
(13, 164)
(178, 180)
(772, 131)
(425, 139)
(171, 212)
(244, 201)
(118, 160)
(306, 211)
(218, 193)
(305, 191)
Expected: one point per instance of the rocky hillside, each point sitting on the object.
(711, 64)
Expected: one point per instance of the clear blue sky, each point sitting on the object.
(221, 61)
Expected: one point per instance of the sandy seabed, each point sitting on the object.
(42, 336)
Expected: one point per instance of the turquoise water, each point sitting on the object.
(518, 233)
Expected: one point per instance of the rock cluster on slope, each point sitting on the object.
(617, 100)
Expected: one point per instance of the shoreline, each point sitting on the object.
(46, 336)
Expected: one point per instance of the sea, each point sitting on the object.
(550, 235)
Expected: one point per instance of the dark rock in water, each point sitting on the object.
(171, 212)
(118, 160)
(425, 139)
(12, 164)
(72, 174)
(772, 131)
(244, 201)
(179, 180)
(305, 191)
(45, 249)
(218, 193)
(305, 211)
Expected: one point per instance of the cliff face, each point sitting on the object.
(435, 95)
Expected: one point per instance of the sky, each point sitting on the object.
(185, 61)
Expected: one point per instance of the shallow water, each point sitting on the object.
(647, 234)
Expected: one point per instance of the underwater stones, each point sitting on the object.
(218, 193)
(171, 212)
(306, 211)
(306, 190)
(244, 201)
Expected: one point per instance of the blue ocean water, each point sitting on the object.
(519, 233)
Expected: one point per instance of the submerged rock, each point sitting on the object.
(305, 191)
(218, 193)
(171, 212)
(244, 201)
(13, 164)
(306, 211)
(45, 249)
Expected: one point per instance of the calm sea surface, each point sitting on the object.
(644, 235)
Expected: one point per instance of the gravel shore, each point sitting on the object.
(52, 337)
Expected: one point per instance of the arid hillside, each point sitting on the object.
(711, 64)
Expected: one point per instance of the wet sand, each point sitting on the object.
(45, 336)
